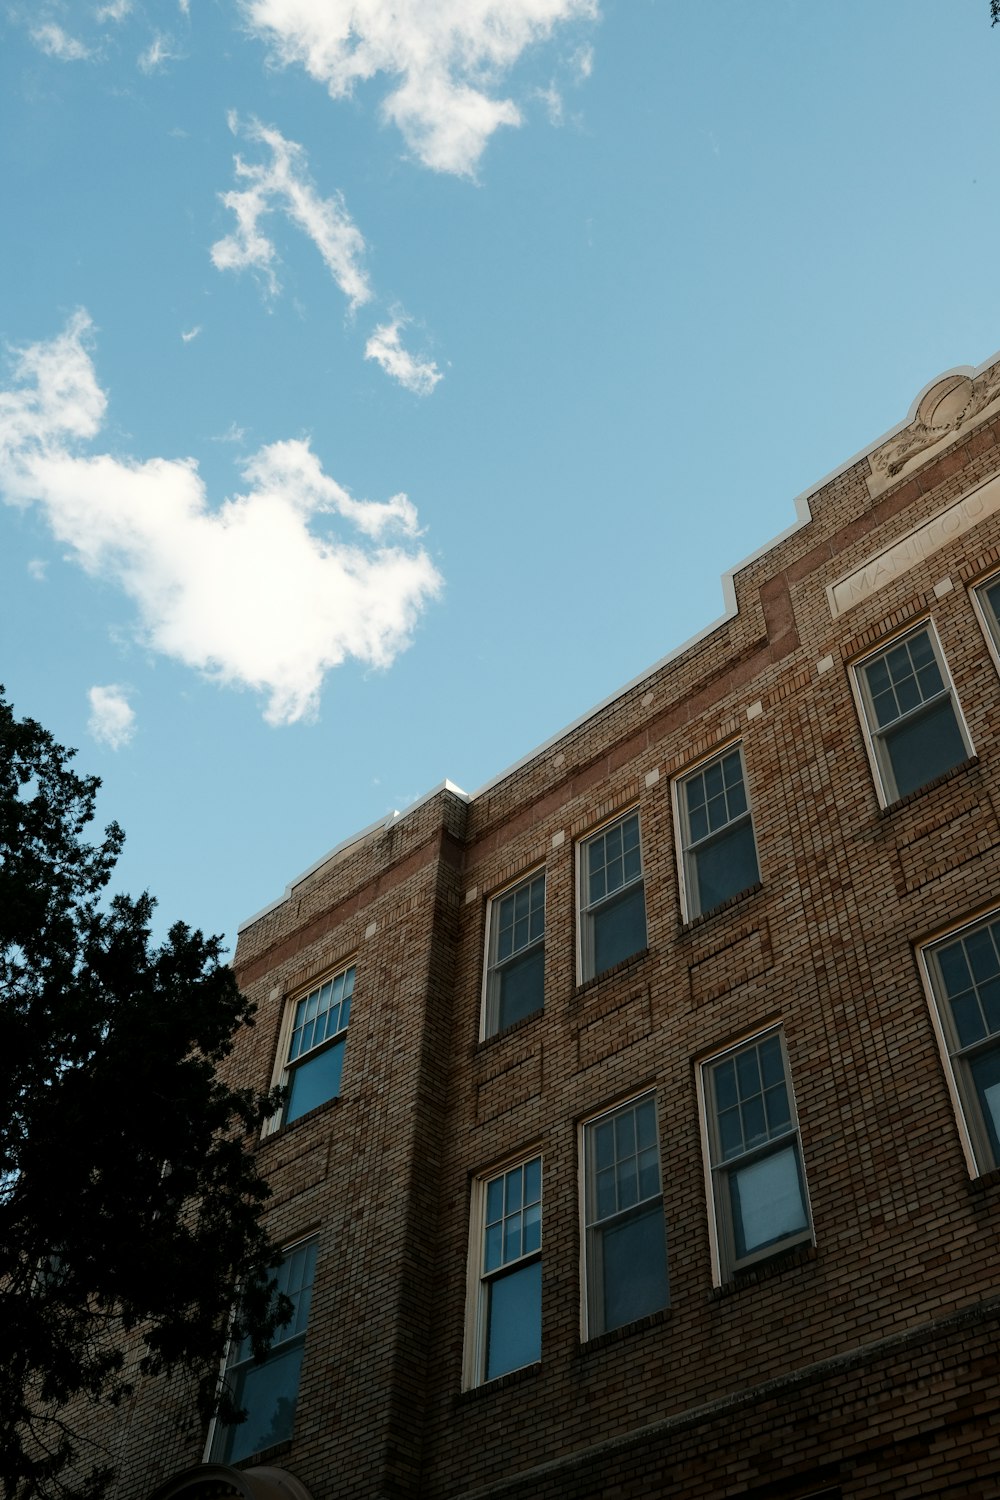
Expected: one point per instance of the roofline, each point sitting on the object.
(803, 514)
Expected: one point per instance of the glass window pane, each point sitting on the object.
(314, 1081)
(954, 969)
(724, 866)
(628, 1183)
(520, 987)
(772, 1064)
(985, 1071)
(925, 746)
(968, 1019)
(533, 1180)
(619, 928)
(512, 1190)
(494, 1200)
(493, 1247)
(767, 1201)
(633, 1254)
(268, 1392)
(645, 1123)
(747, 1072)
(778, 1114)
(981, 954)
(989, 998)
(724, 1077)
(532, 1237)
(754, 1123)
(604, 1143)
(730, 1133)
(514, 1320)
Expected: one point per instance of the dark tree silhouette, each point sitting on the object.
(129, 1201)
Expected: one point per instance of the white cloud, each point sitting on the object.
(158, 54)
(232, 434)
(284, 183)
(185, 7)
(446, 60)
(53, 40)
(269, 590)
(191, 334)
(114, 10)
(419, 376)
(37, 569)
(112, 718)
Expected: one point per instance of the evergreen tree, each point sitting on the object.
(129, 1200)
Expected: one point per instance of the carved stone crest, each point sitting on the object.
(948, 409)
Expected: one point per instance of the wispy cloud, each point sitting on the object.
(37, 569)
(113, 10)
(419, 376)
(269, 590)
(190, 334)
(284, 183)
(446, 60)
(56, 42)
(112, 717)
(159, 52)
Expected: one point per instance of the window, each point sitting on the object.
(268, 1390)
(626, 1251)
(507, 1299)
(911, 713)
(987, 598)
(965, 978)
(515, 968)
(316, 1037)
(758, 1188)
(612, 901)
(719, 853)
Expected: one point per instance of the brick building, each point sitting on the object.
(643, 1112)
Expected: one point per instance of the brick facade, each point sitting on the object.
(861, 1361)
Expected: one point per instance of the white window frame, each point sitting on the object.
(980, 1156)
(479, 1280)
(987, 615)
(874, 737)
(592, 1227)
(284, 1066)
(725, 1262)
(490, 1016)
(217, 1428)
(688, 848)
(585, 910)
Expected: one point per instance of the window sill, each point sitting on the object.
(265, 1456)
(715, 911)
(985, 1181)
(928, 786)
(500, 1383)
(626, 1331)
(764, 1270)
(626, 966)
(326, 1107)
(514, 1029)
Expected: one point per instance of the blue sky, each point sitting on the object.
(377, 398)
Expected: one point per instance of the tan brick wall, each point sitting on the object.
(867, 1363)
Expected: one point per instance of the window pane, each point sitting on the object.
(986, 1077)
(633, 1254)
(724, 866)
(520, 986)
(268, 1392)
(315, 1080)
(767, 1201)
(514, 1320)
(925, 746)
(619, 928)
